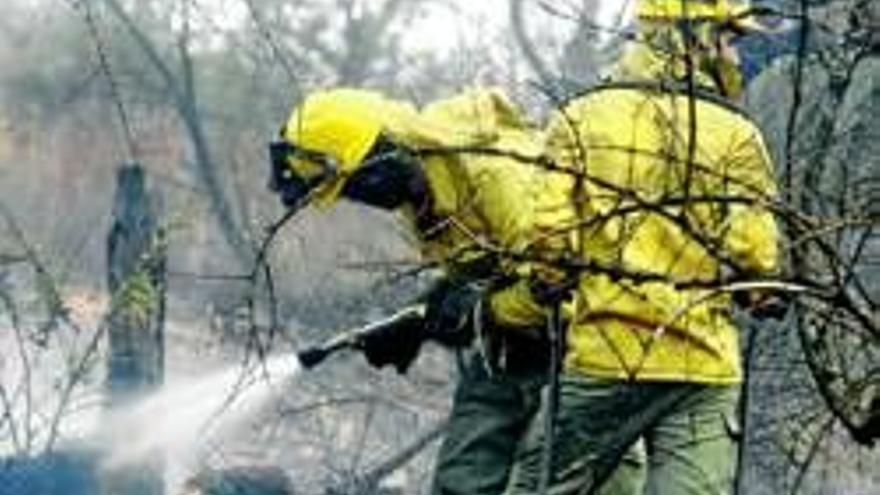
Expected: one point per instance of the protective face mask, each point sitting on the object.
(290, 186)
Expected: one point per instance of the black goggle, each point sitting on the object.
(284, 180)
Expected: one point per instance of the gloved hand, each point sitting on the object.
(396, 344)
(763, 306)
(451, 311)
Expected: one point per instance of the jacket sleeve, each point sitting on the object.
(751, 235)
(504, 195)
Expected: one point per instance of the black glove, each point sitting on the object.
(764, 306)
(396, 344)
(451, 311)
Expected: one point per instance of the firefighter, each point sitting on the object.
(457, 173)
(670, 185)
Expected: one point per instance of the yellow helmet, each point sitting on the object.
(331, 133)
(738, 15)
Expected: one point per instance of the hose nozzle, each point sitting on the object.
(353, 339)
(310, 358)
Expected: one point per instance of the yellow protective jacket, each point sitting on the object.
(673, 187)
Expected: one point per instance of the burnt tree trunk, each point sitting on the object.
(136, 255)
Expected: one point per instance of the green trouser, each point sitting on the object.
(689, 432)
(489, 416)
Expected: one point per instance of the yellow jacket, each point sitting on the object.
(671, 192)
(652, 205)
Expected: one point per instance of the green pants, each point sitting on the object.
(489, 417)
(688, 429)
